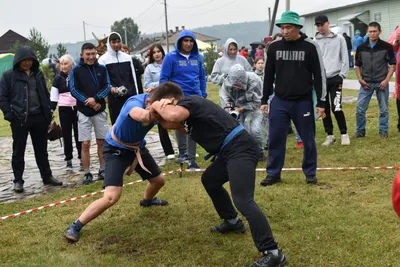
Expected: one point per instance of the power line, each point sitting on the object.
(146, 9)
(188, 7)
(215, 9)
(97, 26)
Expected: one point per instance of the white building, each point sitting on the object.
(357, 17)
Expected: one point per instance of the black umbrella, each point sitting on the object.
(256, 44)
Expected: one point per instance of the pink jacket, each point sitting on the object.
(397, 73)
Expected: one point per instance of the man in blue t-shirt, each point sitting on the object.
(125, 146)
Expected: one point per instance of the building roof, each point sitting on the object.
(199, 36)
(8, 39)
(338, 8)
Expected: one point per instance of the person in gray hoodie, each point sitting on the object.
(242, 91)
(224, 64)
(336, 61)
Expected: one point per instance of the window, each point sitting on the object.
(377, 17)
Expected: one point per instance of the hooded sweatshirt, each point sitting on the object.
(224, 63)
(120, 68)
(189, 72)
(243, 89)
(334, 54)
(21, 94)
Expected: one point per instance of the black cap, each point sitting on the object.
(321, 19)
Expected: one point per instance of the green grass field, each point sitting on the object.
(346, 220)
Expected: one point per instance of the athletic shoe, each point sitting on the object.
(300, 145)
(154, 202)
(345, 140)
(87, 179)
(69, 167)
(18, 187)
(269, 180)
(101, 175)
(181, 158)
(330, 140)
(193, 165)
(311, 179)
(71, 234)
(227, 227)
(270, 260)
(383, 135)
(172, 156)
(358, 135)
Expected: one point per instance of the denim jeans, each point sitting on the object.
(252, 122)
(364, 97)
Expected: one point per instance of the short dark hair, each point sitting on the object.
(166, 90)
(375, 25)
(151, 52)
(87, 46)
(114, 36)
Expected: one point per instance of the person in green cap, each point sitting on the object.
(358, 40)
(295, 65)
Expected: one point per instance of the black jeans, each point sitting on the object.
(37, 127)
(237, 165)
(334, 95)
(115, 105)
(165, 141)
(69, 121)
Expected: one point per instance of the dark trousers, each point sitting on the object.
(69, 122)
(301, 112)
(165, 141)
(237, 166)
(114, 106)
(37, 127)
(334, 95)
(398, 114)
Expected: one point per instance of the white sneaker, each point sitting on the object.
(330, 140)
(172, 156)
(345, 140)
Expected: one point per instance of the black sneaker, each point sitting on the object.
(358, 135)
(311, 179)
(269, 180)
(87, 179)
(101, 175)
(227, 227)
(154, 202)
(270, 260)
(383, 135)
(18, 187)
(69, 167)
(52, 181)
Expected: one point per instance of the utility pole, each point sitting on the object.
(166, 24)
(271, 26)
(269, 17)
(126, 38)
(84, 31)
(287, 5)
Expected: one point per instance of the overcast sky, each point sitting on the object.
(61, 21)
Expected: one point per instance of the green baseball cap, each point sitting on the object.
(289, 17)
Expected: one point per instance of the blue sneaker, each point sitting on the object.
(154, 202)
(71, 234)
(193, 165)
(87, 179)
(181, 158)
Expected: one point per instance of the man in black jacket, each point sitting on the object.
(89, 84)
(294, 63)
(122, 73)
(25, 102)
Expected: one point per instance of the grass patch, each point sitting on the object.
(352, 75)
(347, 220)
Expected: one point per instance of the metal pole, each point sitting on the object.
(84, 31)
(287, 5)
(126, 38)
(271, 26)
(269, 17)
(166, 24)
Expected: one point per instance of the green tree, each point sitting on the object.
(61, 50)
(15, 47)
(48, 75)
(132, 31)
(38, 44)
(210, 57)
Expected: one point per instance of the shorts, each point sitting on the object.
(116, 160)
(100, 123)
